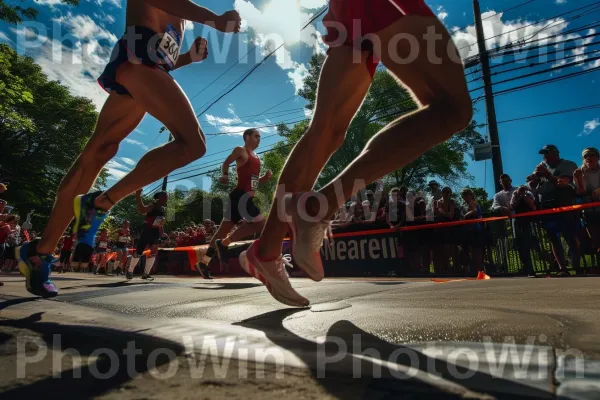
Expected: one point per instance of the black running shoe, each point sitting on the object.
(147, 277)
(223, 251)
(204, 271)
(129, 276)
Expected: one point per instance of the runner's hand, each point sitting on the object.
(268, 175)
(199, 50)
(224, 179)
(230, 22)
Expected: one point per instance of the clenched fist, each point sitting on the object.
(199, 50)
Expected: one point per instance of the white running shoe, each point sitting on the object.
(307, 238)
(274, 275)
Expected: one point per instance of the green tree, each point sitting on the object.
(43, 128)
(14, 14)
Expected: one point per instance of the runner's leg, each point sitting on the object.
(245, 230)
(440, 88)
(342, 89)
(118, 118)
(159, 95)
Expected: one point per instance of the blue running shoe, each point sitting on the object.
(87, 218)
(36, 271)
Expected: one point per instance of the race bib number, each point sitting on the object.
(169, 46)
(254, 182)
(103, 245)
(158, 222)
(124, 239)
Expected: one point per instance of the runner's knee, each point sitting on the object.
(192, 148)
(455, 112)
(325, 135)
(98, 155)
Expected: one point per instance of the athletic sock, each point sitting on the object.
(210, 253)
(149, 265)
(134, 263)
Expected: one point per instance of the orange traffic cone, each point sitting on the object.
(482, 276)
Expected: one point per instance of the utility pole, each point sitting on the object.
(166, 178)
(489, 97)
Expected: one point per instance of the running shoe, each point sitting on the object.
(307, 238)
(223, 251)
(36, 271)
(204, 271)
(128, 276)
(147, 277)
(274, 275)
(87, 218)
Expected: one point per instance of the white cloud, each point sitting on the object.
(219, 121)
(50, 3)
(502, 33)
(128, 161)
(139, 132)
(312, 4)
(84, 28)
(116, 174)
(281, 23)
(105, 18)
(231, 109)
(116, 3)
(77, 66)
(5, 38)
(590, 126)
(116, 169)
(136, 143)
(442, 14)
(561, 1)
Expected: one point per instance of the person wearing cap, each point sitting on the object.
(552, 180)
(502, 199)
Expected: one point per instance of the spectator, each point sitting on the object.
(434, 188)
(553, 183)
(502, 199)
(473, 234)
(445, 238)
(587, 183)
(587, 178)
(552, 179)
(396, 209)
(523, 201)
(7, 228)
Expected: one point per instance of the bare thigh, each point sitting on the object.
(343, 85)
(159, 95)
(119, 116)
(428, 70)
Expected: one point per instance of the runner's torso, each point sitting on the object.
(140, 13)
(123, 236)
(155, 219)
(248, 172)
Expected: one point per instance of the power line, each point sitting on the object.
(541, 83)
(533, 23)
(584, 108)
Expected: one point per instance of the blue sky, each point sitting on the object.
(95, 25)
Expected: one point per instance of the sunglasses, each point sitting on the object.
(590, 155)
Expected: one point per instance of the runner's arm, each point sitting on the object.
(143, 209)
(183, 60)
(185, 9)
(234, 156)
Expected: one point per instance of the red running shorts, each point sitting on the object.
(374, 15)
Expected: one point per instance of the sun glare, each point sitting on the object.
(287, 19)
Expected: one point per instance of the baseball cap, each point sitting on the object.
(504, 176)
(433, 183)
(549, 148)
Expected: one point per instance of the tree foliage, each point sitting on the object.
(43, 128)
(15, 14)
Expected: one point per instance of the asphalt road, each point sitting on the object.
(539, 328)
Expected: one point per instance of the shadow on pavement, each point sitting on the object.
(7, 303)
(116, 365)
(227, 286)
(344, 335)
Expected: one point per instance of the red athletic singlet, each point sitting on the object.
(248, 174)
